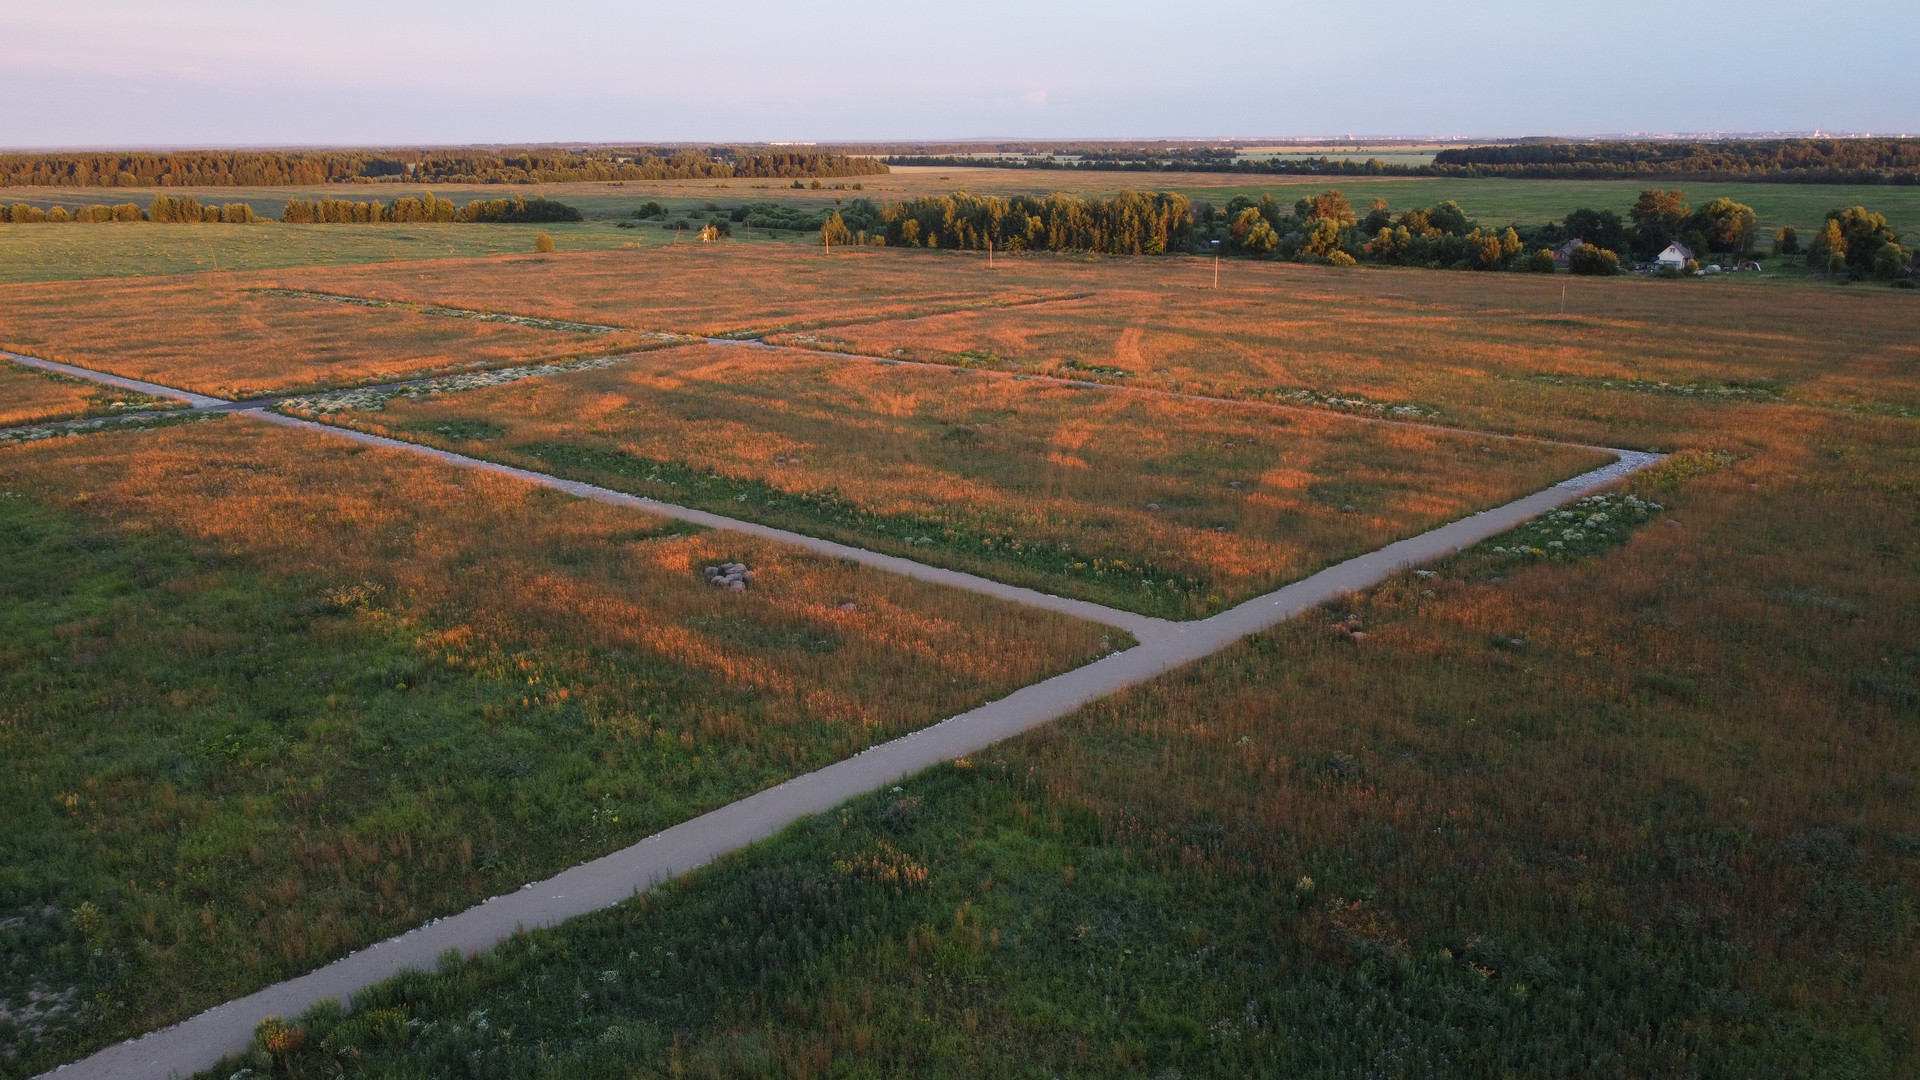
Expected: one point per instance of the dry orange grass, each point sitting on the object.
(476, 555)
(1240, 497)
(1481, 349)
(213, 334)
(692, 288)
(28, 396)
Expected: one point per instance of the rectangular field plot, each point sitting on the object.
(268, 696)
(30, 396)
(725, 290)
(1625, 362)
(228, 338)
(1153, 503)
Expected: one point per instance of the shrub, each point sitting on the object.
(519, 211)
(1594, 261)
(1539, 261)
(543, 243)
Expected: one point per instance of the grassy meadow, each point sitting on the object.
(269, 697)
(1649, 813)
(224, 335)
(31, 396)
(1157, 504)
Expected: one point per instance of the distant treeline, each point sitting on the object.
(234, 168)
(1789, 160)
(179, 209)
(1798, 161)
(1192, 161)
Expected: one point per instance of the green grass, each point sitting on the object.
(56, 252)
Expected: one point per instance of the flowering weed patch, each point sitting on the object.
(1595, 524)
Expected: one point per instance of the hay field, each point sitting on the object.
(726, 289)
(221, 335)
(1168, 506)
(269, 697)
(1624, 362)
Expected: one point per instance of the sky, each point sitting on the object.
(125, 73)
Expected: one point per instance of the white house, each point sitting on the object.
(1677, 255)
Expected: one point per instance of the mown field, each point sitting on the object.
(29, 395)
(1173, 507)
(227, 336)
(267, 696)
(1651, 812)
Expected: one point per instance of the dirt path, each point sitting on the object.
(199, 1042)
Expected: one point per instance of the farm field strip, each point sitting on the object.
(541, 322)
(200, 1042)
(1141, 626)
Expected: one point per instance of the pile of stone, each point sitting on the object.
(731, 575)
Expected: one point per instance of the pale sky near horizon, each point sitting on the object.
(95, 73)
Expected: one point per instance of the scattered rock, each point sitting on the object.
(1424, 574)
(1672, 524)
(1358, 635)
(1426, 594)
(731, 575)
(1347, 509)
(848, 606)
(1486, 450)
(1153, 508)
(1235, 484)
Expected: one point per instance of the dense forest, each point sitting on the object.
(233, 168)
(183, 209)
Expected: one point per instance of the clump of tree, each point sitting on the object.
(1857, 241)
(518, 211)
(1131, 223)
(183, 210)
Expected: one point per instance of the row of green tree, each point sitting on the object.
(1131, 223)
(518, 210)
(164, 208)
(232, 168)
(1325, 228)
